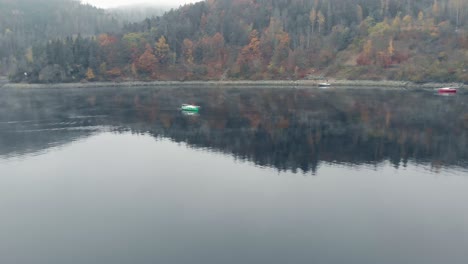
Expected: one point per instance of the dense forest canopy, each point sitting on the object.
(415, 40)
(26, 23)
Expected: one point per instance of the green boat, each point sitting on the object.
(190, 108)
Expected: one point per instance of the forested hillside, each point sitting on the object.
(415, 40)
(26, 23)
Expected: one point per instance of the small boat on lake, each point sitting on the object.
(447, 90)
(189, 108)
(324, 84)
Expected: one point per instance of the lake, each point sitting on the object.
(259, 175)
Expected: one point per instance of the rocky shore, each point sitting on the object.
(273, 84)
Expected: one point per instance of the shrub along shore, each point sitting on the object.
(272, 84)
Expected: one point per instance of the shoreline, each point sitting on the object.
(3, 81)
(274, 83)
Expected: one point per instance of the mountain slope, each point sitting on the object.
(423, 40)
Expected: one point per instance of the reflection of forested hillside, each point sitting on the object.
(284, 128)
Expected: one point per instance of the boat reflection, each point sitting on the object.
(445, 94)
(190, 113)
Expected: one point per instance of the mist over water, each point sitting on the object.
(257, 176)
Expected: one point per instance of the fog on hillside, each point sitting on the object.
(135, 13)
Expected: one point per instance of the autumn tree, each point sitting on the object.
(313, 19)
(268, 39)
(162, 51)
(365, 57)
(421, 18)
(110, 49)
(321, 20)
(212, 49)
(249, 57)
(252, 50)
(135, 43)
(90, 76)
(391, 48)
(281, 51)
(147, 61)
(396, 24)
(407, 21)
(187, 51)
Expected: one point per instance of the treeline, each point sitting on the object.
(415, 40)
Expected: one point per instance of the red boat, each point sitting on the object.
(447, 90)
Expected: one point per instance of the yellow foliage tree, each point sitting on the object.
(188, 51)
(162, 50)
(321, 20)
(421, 16)
(90, 74)
(313, 18)
(368, 47)
(407, 21)
(391, 49)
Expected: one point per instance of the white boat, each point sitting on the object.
(324, 84)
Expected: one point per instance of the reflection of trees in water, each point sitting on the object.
(288, 129)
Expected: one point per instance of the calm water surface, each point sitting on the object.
(106, 176)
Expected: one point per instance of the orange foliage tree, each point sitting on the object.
(250, 56)
(147, 61)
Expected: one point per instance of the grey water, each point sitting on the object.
(292, 175)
